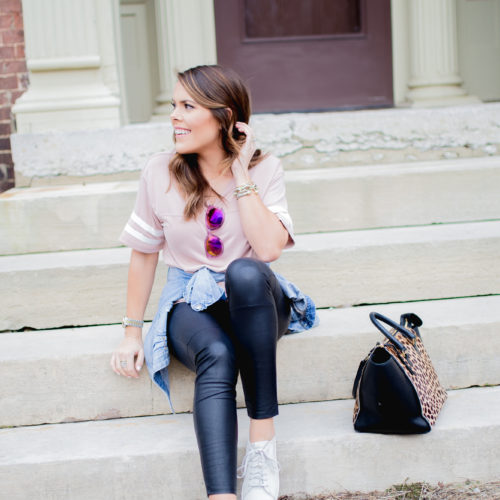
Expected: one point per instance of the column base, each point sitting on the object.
(67, 115)
(444, 101)
(66, 94)
(439, 95)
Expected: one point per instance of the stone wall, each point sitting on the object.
(302, 140)
(13, 81)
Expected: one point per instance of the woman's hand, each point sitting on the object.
(141, 274)
(241, 164)
(123, 360)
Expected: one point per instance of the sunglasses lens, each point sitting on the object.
(214, 218)
(213, 246)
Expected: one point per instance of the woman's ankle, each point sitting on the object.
(261, 430)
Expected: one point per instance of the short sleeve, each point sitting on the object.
(144, 231)
(275, 200)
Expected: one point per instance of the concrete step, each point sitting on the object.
(157, 457)
(336, 269)
(50, 377)
(52, 218)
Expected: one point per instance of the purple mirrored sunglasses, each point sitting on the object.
(214, 218)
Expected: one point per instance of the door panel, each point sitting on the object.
(294, 18)
(304, 55)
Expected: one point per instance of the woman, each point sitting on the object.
(217, 209)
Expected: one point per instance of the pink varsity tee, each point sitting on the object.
(157, 222)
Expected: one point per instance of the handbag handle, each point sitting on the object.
(377, 318)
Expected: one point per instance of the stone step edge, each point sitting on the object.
(343, 338)
(381, 266)
(347, 318)
(299, 175)
(456, 231)
(82, 216)
(59, 458)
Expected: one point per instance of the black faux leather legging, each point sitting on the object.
(240, 334)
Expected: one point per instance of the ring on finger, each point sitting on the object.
(123, 363)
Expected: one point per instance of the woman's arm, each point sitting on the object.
(141, 275)
(263, 229)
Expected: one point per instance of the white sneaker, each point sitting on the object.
(260, 471)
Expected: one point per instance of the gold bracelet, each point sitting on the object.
(245, 189)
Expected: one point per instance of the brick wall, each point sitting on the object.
(13, 81)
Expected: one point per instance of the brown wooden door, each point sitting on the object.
(306, 55)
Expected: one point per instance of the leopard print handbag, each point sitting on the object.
(396, 388)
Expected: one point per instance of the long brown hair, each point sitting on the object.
(217, 89)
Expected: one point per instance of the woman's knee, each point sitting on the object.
(247, 278)
(217, 357)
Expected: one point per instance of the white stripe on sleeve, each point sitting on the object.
(136, 234)
(284, 217)
(145, 225)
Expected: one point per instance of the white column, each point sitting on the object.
(400, 50)
(72, 63)
(186, 38)
(434, 73)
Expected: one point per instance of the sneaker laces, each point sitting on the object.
(254, 464)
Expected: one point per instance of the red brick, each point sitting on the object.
(6, 159)
(13, 67)
(5, 185)
(6, 20)
(19, 51)
(5, 129)
(13, 36)
(4, 143)
(11, 20)
(10, 6)
(7, 53)
(18, 20)
(5, 113)
(8, 82)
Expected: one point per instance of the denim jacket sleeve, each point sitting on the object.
(303, 314)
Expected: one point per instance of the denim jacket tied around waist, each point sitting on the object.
(200, 290)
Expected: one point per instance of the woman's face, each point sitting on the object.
(195, 128)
